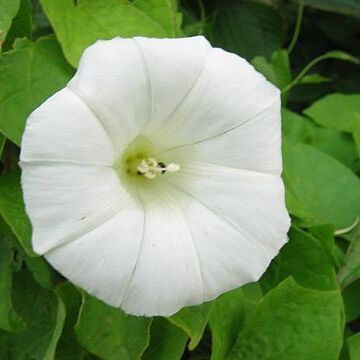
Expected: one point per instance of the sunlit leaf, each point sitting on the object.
(78, 24)
(306, 260)
(227, 320)
(292, 323)
(336, 111)
(319, 189)
(29, 74)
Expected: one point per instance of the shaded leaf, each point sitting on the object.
(356, 135)
(68, 348)
(350, 7)
(44, 313)
(12, 210)
(9, 319)
(351, 296)
(193, 321)
(110, 333)
(2, 144)
(325, 235)
(40, 270)
(248, 28)
(167, 341)
(354, 346)
(79, 24)
(8, 10)
(21, 25)
(351, 270)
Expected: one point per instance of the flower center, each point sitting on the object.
(150, 168)
(139, 162)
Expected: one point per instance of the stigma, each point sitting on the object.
(150, 168)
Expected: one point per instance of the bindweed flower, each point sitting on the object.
(152, 180)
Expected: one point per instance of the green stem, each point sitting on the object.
(305, 70)
(202, 16)
(297, 26)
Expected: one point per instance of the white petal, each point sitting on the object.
(64, 129)
(238, 220)
(254, 145)
(112, 79)
(173, 68)
(146, 264)
(229, 92)
(168, 275)
(102, 261)
(65, 201)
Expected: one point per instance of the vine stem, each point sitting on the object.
(302, 73)
(297, 26)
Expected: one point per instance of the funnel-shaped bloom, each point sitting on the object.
(153, 179)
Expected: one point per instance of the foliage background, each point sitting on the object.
(307, 304)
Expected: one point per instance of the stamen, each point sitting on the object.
(150, 168)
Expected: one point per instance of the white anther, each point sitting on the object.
(150, 168)
(172, 167)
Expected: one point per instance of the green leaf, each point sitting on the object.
(78, 24)
(297, 128)
(248, 28)
(354, 346)
(292, 323)
(356, 136)
(351, 270)
(336, 111)
(227, 320)
(8, 10)
(325, 235)
(110, 333)
(40, 270)
(351, 297)
(29, 74)
(21, 25)
(2, 144)
(306, 260)
(349, 7)
(68, 348)
(319, 189)
(278, 70)
(335, 54)
(44, 313)
(9, 319)
(12, 210)
(167, 341)
(193, 321)
(314, 79)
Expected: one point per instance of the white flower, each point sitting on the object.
(153, 179)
